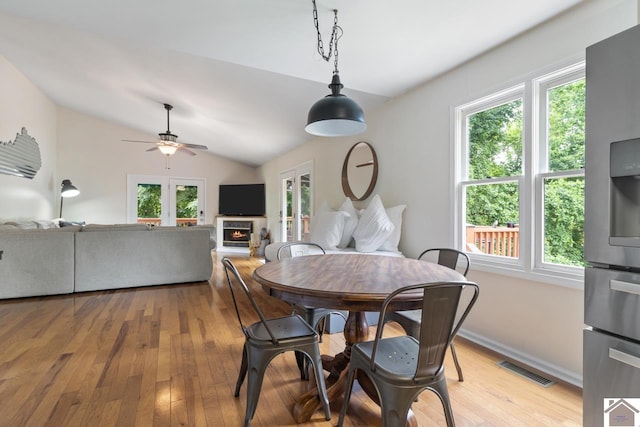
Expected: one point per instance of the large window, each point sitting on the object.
(520, 176)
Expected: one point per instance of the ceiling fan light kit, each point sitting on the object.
(168, 143)
(335, 114)
(167, 150)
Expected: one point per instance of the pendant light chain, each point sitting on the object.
(336, 33)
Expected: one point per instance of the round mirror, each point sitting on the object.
(359, 171)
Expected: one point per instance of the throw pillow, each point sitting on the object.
(374, 227)
(350, 223)
(326, 229)
(395, 215)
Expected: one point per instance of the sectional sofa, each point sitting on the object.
(37, 258)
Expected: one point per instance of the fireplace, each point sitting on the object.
(237, 233)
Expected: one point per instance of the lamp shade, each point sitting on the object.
(68, 189)
(167, 150)
(335, 114)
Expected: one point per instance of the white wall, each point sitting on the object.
(92, 155)
(23, 105)
(537, 323)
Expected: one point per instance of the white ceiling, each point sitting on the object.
(242, 74)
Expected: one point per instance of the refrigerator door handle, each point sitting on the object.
(625, 358)
(628, 287)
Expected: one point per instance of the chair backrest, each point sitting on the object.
(439, 325)
(239, 290)
(448, 257)
(295, 249)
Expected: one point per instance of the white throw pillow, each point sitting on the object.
(374, 227)
(395, 215)
(350, 224)
(327, 227)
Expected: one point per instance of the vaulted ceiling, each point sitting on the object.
(242, 74)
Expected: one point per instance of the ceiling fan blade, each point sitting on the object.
(186, 151)
(134, 140)
(195, 146)
(153, 148)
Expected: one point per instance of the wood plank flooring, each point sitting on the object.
(169, 356)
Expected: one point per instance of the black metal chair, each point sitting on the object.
(400, 368)
(315, 316)
(410, 320)
(267, 338)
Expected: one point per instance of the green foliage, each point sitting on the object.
(187, 202)
(566, 126)
(495, 142)
(564, 221)
(149, 205)
(495, 150)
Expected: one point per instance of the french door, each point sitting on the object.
(296, 199)
(163, 200)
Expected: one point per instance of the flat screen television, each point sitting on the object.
(241, 200)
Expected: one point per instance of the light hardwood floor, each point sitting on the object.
(169, 356)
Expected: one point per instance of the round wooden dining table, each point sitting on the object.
(354, 282)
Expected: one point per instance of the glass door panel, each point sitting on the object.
(149, 204)
(286, 206)
(185, 202)
(165, 201)
(296, 201)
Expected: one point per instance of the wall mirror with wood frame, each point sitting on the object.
(359, 171)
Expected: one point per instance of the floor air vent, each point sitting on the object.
(538, 379)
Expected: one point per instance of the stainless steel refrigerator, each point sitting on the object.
(612, 229)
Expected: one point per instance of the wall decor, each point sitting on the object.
(20, 157)
(360, 171)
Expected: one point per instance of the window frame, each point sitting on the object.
(533, 92)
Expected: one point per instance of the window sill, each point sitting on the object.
(512, 268)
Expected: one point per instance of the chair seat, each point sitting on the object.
(283, 328)
(396, 360)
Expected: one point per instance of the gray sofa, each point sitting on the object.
(37, 259)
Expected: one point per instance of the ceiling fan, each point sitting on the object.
(167, 142)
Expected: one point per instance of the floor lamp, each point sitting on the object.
(68, 190)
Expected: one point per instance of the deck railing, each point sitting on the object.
(305, 228)
(502, 241)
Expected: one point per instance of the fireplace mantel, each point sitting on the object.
(258, 222)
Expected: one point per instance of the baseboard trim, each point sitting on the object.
(539, 364)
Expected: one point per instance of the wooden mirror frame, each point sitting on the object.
(345, 178)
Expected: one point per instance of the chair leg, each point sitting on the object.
(320, 384)
(243, 372)
(302, 365)
(440, 389)
(258, 367)
(395, 402)
(347, 395)
(455, 361)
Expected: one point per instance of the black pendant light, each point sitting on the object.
(335, 114)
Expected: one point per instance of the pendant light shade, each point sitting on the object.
(335, 114)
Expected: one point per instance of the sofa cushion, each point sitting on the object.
(24, 225)
(327, 228)
(115, 227)
(395, 215)
(350, 223)
(374, 227)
